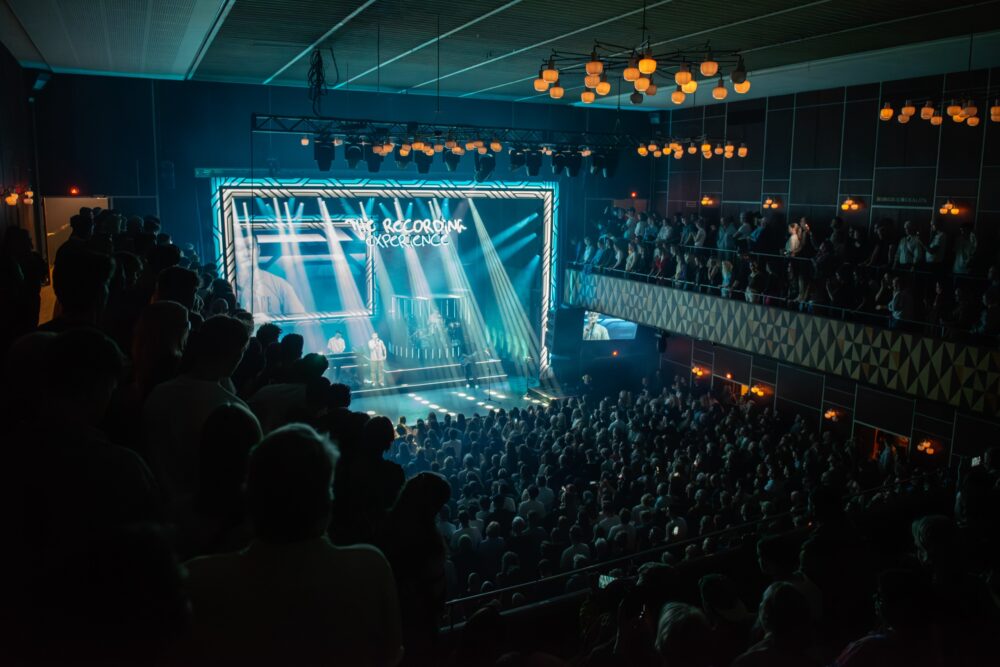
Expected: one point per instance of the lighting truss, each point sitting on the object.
(616, 57)
(373, 132)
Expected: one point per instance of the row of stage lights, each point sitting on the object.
(564, 159)
(676, 148)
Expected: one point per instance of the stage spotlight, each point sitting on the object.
(485, 164)
(403, 158)
(353, 153)
(451, 160)
(610, 164)
(517, 159)
(323, 153)
(374, 162)
(424, 161)
(558, 163)
(597, 163)
(573, 163)
(533, 162)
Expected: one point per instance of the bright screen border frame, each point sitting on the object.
(227, 190)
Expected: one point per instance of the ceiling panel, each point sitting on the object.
(131, 37)
(490, 48)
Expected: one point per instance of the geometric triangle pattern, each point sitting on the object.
(963, 376)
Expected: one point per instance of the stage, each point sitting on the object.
(458, 399)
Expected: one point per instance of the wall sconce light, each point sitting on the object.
(698, 371)
(74, 190)
(927, 447)
(850, 204)
(729, 376)
(707, 201)
(28, 198)
(831, 415)
(772, 202)
(949, 208)
(758, 390)
(10, 198)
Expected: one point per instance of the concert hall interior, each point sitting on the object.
(661, 333)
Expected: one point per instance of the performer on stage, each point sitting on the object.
(337, 344)
(592, 330)
(376, 360)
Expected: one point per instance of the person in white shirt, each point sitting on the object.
(937, 247)
(264, 293)
(337, 344)
(624, 527)
(592, 330)
(546, 495)
(608, 519)
(465, 527)
(910, 249)
(376, 358)
(531, 503)
(175, 411)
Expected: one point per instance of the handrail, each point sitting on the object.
(746, 252)
(659, 549)
(808, 307)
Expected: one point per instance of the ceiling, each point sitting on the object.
(491, 49)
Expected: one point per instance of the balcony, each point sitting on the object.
(962, 375)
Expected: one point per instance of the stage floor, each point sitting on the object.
(456, 399)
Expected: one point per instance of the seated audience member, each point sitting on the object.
(292, 597)
(175, 412)
(683, 636)
(731, 622)
(788, 640)
(906, 636)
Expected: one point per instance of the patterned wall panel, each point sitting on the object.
(963, 376)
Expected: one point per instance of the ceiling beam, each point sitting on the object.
(220, 18)
(306, 51)
(430, 42)
(515, 52)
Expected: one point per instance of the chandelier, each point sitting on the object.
(641, 67)
(679, 147)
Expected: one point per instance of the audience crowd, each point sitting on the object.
(181, 487)
(936, 282)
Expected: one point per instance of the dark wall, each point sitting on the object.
(858, 407)
(812, 150)
(15, 139)
(141, 141)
